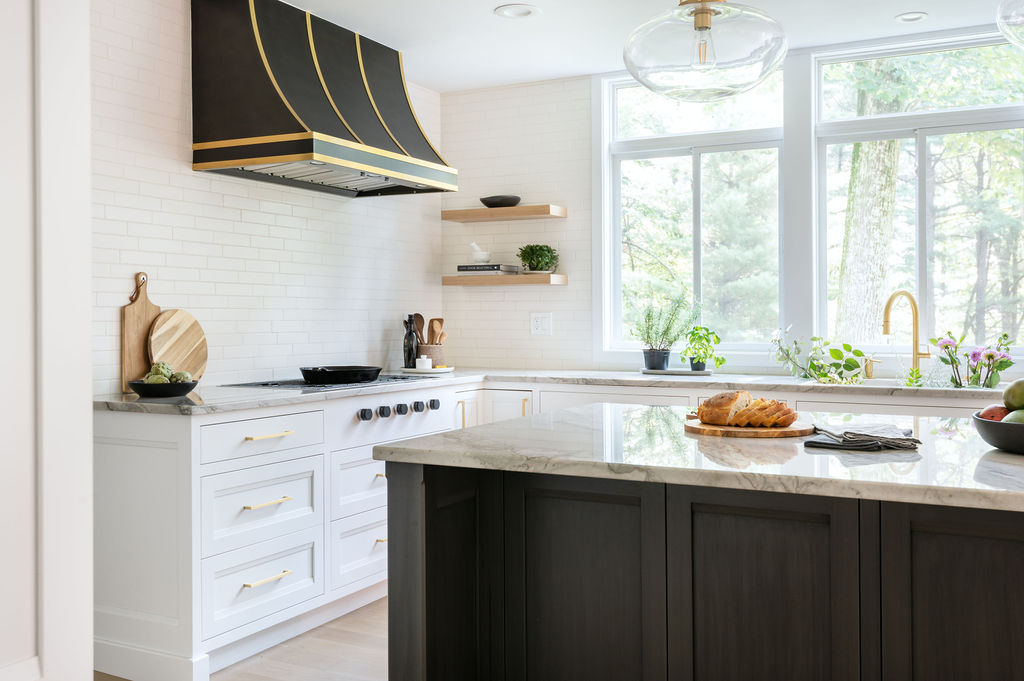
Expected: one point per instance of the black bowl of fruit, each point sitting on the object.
(163, 381)
(1002, 425)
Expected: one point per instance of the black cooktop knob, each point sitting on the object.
(435, 404)
(418, 406)
(365, 414)
(401, 409)
(383, 412)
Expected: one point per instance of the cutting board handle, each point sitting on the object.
(141, 279)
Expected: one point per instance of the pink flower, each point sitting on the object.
(976, 355)
(946, 344)
(989, 355)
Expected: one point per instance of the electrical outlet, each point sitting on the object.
(540, 323)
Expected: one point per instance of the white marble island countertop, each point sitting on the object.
(953, 467)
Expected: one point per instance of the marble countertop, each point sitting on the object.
(215, 399)
(954, 466)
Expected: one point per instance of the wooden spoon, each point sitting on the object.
(442, 338)
(434, 331)
(418, 320)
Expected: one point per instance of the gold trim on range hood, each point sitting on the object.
(267, 82)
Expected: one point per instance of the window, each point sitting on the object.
(696, 213)
(933, 205)
(899, 166)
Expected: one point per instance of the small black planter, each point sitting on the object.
(697, 366)
(656, 359)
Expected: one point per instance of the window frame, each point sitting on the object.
(803, 272)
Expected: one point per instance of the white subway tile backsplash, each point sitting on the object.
(277, 276)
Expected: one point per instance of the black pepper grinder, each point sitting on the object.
(411, 345)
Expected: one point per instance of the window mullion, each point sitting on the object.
(696, 181)
(923, 246)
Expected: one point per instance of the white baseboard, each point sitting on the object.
(138, 664)
(227, 655)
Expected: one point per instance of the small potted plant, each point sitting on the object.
(658, 329)
(700, 348)
(538, 258)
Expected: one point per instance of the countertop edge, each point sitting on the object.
(998, 500)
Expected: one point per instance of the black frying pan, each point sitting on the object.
(335, 375)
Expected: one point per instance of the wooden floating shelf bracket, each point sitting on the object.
(506, 280)
(543, 211)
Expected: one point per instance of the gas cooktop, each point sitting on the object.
(299, 384)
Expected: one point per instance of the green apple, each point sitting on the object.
(1013, 396)
(1014, 417)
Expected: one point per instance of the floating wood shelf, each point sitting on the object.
(506, 280)
(542, 211)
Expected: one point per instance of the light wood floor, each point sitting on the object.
(350, 648)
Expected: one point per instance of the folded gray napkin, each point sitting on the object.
(863, 437)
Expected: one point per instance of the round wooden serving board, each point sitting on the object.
(178, 339)
(796, 430)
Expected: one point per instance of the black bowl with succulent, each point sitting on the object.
(500, 201)
(163, 381)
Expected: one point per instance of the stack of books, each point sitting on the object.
(488, 268)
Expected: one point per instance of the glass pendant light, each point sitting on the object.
(705, 50)
(1010, 19)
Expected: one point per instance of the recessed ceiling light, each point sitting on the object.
(516, 11)
(911, 17)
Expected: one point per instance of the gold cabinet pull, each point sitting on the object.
(380, 475)
(257, 438)
(275, 502)
(380, 541)
(462, 403)
(525, 400)
(268, 580)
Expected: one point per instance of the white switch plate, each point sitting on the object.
(540, 323)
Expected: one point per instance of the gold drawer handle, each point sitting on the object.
(379, 475)
(275, 502)
(380, 541)
(462, 403)
(257, 438)
(525, 400)
(268, 580)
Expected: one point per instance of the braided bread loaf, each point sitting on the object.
(738, 408)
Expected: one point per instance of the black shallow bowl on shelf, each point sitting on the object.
(335, 375)
(144, 389)
(1008, 437)
(500, 201)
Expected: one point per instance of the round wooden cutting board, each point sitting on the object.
(178, 339)
(796, 430)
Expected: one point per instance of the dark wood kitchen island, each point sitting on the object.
(604, 543)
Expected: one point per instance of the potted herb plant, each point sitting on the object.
(659, 328)
(700, 348)
(538, 258)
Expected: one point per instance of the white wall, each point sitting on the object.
(533, 140)
(278, 277)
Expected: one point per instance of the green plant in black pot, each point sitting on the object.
(659, 327)
(538, 258)
(700, 348)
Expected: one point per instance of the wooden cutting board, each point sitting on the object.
(136, 320)
(796, 430)
(178, 339)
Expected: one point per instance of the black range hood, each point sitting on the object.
(282, 96)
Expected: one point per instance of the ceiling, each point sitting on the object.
(460, 44)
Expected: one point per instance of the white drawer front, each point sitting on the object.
(255, 504)
(359, 547)
(238, 439)
(279, 573)
(356, 486)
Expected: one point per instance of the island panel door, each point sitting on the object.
(761, 586)
(952, 594)
(585, 579)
